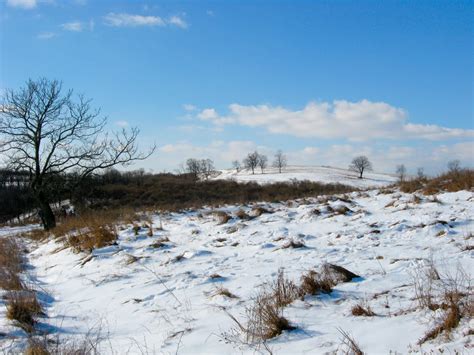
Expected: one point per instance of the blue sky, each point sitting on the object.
(321, 80)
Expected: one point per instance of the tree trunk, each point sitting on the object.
(361, 172)
(46, 213)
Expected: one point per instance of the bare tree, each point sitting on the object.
(236, 165)
(280, 161)
(251, 161)
(193, 167)
(207, 168)
(262, 162)
(360, 164)
(420, 173)
(401, 172)
(454, 166)
(44, 131)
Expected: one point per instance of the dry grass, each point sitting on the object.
(23, 308)
(222, 291)
(10, 264)
(450, 181)
(92, 237)
(349, 343)
(222, 217)
(448, 294)
(241, 214)
(93, 229)
(293, 244)
(362, 309)
(259, 210)
(313, 283)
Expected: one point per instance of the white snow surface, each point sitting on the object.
(310, 173)
(158, 304)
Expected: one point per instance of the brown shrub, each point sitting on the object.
(241, 214)
(23, 307)
(313, 283)
(265, 319)
(362, 309)
(10, 264)
(294, 244)
(92, 238)
(283, 291)
(222, 217)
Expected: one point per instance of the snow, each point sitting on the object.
(310, 173)
(164, 301)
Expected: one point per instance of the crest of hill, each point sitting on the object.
(324, 174)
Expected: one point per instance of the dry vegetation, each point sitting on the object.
(449, 296)
(10, 265)
(265, 316)
(22, 305)
(450, 182)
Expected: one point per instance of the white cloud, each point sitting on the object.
(129, 20)
(121, 123)
(189, 107)
(74, 26)
(355, 121)
(178, 22)
(24, 4)
(46, 35)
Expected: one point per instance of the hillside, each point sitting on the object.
(311, 173)
(176, 289)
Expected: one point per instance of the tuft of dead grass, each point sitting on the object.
(448, 294)
(362, 309)
(293, 244)
(222, 291)
(222, 217)
(23, 308)
(349, 343)
(10, 264)
(313, 283)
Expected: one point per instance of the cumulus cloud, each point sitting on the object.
(23, 4)
(356, 121)
(74, 26)
(131, 20)
(178, 22)
(46, 35)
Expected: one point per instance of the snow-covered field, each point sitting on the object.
(310, 173)
(150, 299)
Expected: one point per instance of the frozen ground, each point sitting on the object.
(148, 299)
(311, 173)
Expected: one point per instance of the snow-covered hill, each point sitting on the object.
(164, 294)
(311, 173)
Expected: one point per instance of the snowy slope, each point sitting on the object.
(311, 173)
(162, 300)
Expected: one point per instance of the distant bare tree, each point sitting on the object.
(193, 167)
(454, 166)
(401, 172)
(251, 161)
(48, 133)
(262, 162)
(360, 164)
(207, 168)
(420, 173)
(236, 165)
(280, 161)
